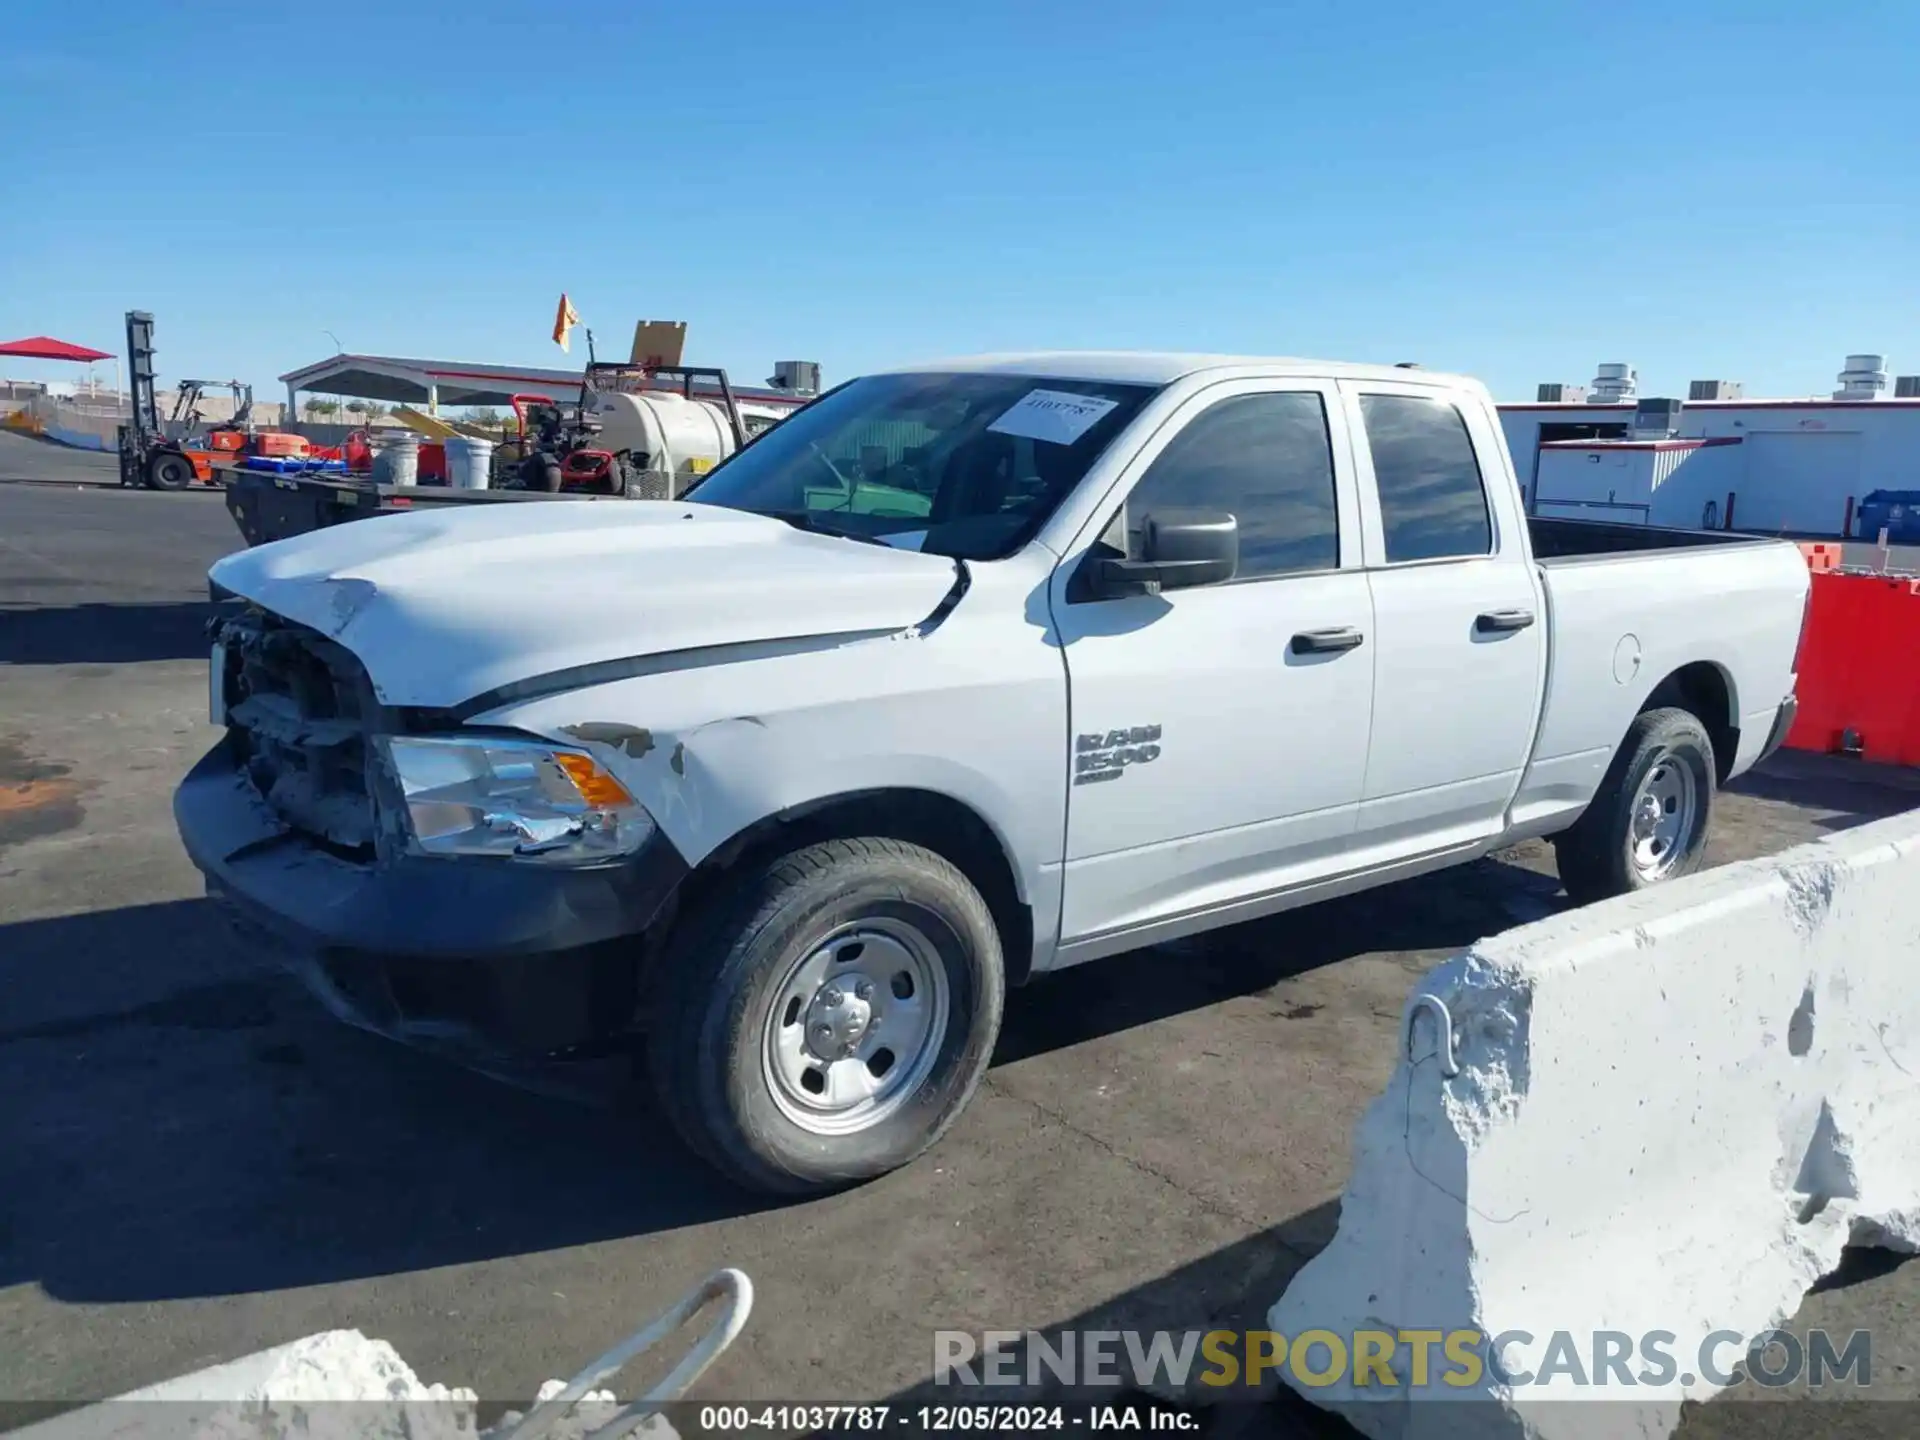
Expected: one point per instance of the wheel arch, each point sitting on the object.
(1706, 691)
(937, 821)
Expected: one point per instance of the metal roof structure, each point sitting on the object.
(434, 383)
(45, 347)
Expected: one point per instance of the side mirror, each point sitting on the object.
(1199, 549)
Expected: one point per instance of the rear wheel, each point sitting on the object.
(825, 1017)
(170, 472)
(1649, 821)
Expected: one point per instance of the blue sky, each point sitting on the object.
(1514, 190)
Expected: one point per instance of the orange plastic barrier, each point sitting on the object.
(1821, 557)
(1860, 669)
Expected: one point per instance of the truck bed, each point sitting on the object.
(1631, 605)
(268, 507)
(1557, 541)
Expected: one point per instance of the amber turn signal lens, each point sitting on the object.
(595, 785)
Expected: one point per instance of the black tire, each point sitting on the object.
(540, 471)
(170, 472)
(726, 972)
(1597, 855)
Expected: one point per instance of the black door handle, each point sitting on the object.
(1499, 622)
(1326, 642)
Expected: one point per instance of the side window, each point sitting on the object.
(1264, 459)
(1433, 503)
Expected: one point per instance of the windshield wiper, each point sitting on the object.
(804, 520)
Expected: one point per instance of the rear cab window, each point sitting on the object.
(1433, 496)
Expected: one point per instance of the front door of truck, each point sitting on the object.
(1219, 733)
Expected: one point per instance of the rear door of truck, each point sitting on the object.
(1461, 632)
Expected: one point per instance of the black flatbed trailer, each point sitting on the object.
(269, 506)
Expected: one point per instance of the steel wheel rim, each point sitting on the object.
(855, 1026)
(1662, 816)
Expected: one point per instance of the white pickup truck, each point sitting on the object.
(961, 674)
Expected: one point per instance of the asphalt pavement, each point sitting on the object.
(26, 460)
(196, 1162)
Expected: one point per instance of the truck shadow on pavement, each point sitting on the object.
(186, 1120)
(89, 634)
(227, 1136)
(1230, 1289)
(1419, 921)
(1855, 792)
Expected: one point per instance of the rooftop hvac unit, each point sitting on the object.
(1865, 378)
(1715, 390)
(1656, 419)
(1613, 383)
(797, 377)
(1906, 387)
(1552, 394)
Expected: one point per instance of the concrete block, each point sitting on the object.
(1670, 1114)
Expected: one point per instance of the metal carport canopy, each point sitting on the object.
(451, 382)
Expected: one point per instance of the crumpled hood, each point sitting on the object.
(442, 606)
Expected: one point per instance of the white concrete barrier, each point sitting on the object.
(1669, 1113)
(334, 1384)
(339, 1385)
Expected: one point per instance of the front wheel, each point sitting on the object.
(827, 1015)
(1648, 822)
(170, 472)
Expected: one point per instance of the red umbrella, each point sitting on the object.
(45, 347)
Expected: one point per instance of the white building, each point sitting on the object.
(1718, 461)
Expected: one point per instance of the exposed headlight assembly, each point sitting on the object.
(516, 799)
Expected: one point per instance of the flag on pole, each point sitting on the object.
(564, 320)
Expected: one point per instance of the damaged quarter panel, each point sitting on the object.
(973, 707)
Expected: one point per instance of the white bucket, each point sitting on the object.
(469, 461)
(396, 457)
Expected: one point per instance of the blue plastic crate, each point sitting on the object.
(293, 465)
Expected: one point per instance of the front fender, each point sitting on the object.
(979, 718)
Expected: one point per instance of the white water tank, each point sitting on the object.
(1612, 383)
(662, 431)
(1865, 378)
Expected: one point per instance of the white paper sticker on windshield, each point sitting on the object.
(1053, 415)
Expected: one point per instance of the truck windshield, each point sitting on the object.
(967, 465)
